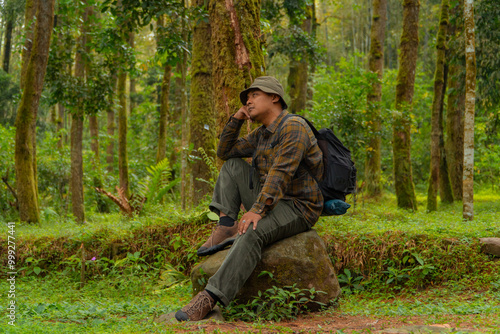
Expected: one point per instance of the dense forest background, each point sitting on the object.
(135, 93)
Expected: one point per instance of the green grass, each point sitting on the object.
(126, 304)
(384, 216)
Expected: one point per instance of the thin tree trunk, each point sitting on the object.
(237, 57)
(445, 191)
(28, 108)
(470, 102)
(132, 90)
(111, 126)
(29, 15)
(76, 179)
(202, 121)
(298, 75)
(122, 134)
(8, 42)
(401, 140)
(376, 65)
(161, 152)
(186, 184)
(60, 125)
(456, 105)
(437, 105)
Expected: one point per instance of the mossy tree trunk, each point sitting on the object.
(28, 108)
(202, 122)
(437, 106)
(132, 90)
(470, 99)
(375, 65)
(456, 106)
(445, 191)
(8, 43)
(401, 140)
(77, 117)
(29, 23)
(111, 126)
(237, 57)
(161, 152)
(298, 76)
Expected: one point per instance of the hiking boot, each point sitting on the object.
(197, 309)
(220, 238)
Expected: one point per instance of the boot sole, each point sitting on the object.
(216, 248)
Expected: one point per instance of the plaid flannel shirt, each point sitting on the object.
(278, 161)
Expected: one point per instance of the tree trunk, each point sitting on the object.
(456, 105)
(132, 90)
(29, 22)
(202, 121)
(122, 134)
(375, 65)
(28, 108)
(76, 179)
(445, 191)
(161, 152)
(237, 57)
(60, 125)
(298, 76)
(8, 42)
(470, 99)
(437, 106)
(401, 140)
(111, 126)
(186, 184)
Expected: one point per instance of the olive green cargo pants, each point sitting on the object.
(285, 220)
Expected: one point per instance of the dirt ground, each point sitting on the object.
(332, 323)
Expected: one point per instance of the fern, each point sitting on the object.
(212, 167)
(158, 183)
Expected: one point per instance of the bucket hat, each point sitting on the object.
(268, 85)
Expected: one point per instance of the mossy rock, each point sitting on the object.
(301, 259)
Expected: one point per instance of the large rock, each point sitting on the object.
(490, 246)
(301, 259)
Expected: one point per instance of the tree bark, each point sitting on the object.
(111, 126)
(161, 152)
(437, 106)
(29, 15)
(132, 90)
(186, 184)
(28, 108)
(8, 44)
(375, 65)
(60, 125)
(401, 140)
(122, 134)
(202, 121)
(298, 76)
(237, 57)
(445, 191)
(76, 179)
(470, 102)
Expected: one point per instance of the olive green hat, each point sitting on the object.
(268, 85)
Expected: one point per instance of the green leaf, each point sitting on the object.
(37, 270)
(212, 216)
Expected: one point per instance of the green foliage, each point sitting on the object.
(158, 184)
(274, 304)
(8, 99)
(7, 136)
(349, 282)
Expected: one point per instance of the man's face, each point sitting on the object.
(259, 104)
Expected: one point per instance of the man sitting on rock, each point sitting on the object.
(280, 195)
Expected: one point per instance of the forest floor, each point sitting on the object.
(126, 294)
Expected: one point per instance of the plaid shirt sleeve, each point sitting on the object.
(294, 142)
(230, 146)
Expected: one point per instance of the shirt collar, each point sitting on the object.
(276, 123)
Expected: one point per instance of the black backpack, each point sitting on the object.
(339, 178)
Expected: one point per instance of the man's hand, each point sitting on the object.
(247, 219)
(243, 114)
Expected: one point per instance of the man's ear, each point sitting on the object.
(276, 98)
